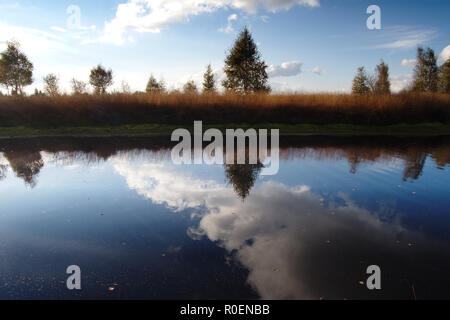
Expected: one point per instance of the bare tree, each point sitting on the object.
(51, 85)
(78, 87)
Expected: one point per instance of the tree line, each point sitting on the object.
(427, 77)
(245, 71)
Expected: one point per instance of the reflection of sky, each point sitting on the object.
(308, 232)
(286, 227)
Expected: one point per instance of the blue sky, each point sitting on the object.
(310, 45)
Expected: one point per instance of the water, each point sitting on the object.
(140, 227)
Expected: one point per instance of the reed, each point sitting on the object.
(179, 109)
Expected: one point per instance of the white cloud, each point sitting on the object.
(289, 228)
(404, 37)
(33, 41)
(265, 18)
(153, 16)
(286, 69)
(399, 82)
(408, 62)
(59, 29)
(318, 70)
(445, 54)
(229, 27)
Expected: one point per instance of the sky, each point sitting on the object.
(309, 45)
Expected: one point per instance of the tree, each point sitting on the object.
(426, 71)
(243, 177)
(444, 80)
(38, 93)
(16, 71)
(51, 85)
(360, 81)
(244, 68)
(126, 89)
(209, 81)
(382, 84)
(78, 87)
(190, 87)
(155, 86)
(100, 79)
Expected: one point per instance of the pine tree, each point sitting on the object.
(360, 86)
(426, 72)
(209, 80)
(244, 68)
(382, 84)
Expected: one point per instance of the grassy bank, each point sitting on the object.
(295, 113)
(305, 129)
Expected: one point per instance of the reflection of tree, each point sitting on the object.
(354, 161)
(26, 165)
(243, 177)
(414, 166)
(3, 169)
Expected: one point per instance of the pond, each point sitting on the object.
(141, 227)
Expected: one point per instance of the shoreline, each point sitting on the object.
(153, 130)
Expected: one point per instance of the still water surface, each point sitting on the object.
(142, 228)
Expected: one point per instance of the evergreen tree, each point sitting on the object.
(209, 80)
(382, 84)
(244, 68)
(360, 83)
(426, 71)
(16, 71)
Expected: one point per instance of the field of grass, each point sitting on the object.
(295, 113)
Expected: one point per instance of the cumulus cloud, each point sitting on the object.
(229, 27)
(408, 62)
(281, 227)
(399, 82)
(318, 70)
(153, 16)
(286, 69)
(445, 54)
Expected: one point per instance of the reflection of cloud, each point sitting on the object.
(287, 229)
(163, 184)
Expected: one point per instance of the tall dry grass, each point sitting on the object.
(176, 108)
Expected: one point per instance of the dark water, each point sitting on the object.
(138, 224)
